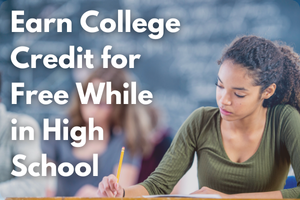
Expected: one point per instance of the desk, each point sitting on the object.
(136, 198)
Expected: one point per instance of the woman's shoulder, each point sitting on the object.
(201, 116)
(285, 118)
(205, 112)
(283, 111)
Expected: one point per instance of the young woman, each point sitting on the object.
(246, 145)
(123, 125)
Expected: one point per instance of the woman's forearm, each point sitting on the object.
(135, 191)
(254, 195)
(258, 195)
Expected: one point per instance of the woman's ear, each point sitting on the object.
(269, 91)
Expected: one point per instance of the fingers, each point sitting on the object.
(115, 186)
(109, 187)
(104, 188)
(119, 190)
(101, 192)
(112, 182)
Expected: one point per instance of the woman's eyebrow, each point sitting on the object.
(220, 79)
(239, 88)
(235, 88)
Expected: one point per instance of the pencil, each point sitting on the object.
(120, 164)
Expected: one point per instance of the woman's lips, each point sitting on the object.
(225, 112)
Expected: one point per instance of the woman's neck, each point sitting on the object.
(249, 124)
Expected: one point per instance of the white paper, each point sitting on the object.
(213, 196)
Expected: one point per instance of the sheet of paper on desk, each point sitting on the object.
(213, 196)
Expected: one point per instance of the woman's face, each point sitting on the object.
(100, 112)
(236, 95)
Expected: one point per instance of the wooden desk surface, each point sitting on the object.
(87, 198)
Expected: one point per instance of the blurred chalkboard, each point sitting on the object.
(179, 69)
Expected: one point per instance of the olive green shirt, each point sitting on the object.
(265, 171)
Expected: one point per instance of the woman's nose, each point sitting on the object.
(225, 99)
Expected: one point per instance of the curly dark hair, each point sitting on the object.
(268, 62)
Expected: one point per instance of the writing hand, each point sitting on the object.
(109, 187)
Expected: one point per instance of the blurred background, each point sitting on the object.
(179, 69)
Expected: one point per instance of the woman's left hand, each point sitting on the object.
(207, 190)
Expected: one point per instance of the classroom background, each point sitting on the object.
(180, 69)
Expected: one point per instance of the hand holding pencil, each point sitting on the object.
(109, 186)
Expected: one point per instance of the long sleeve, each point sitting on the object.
(177, 160)
(26, 186)
(291, 139)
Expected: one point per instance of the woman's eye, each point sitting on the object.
(239, 96)
(218, 85)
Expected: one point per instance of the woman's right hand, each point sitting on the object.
(109, 187)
